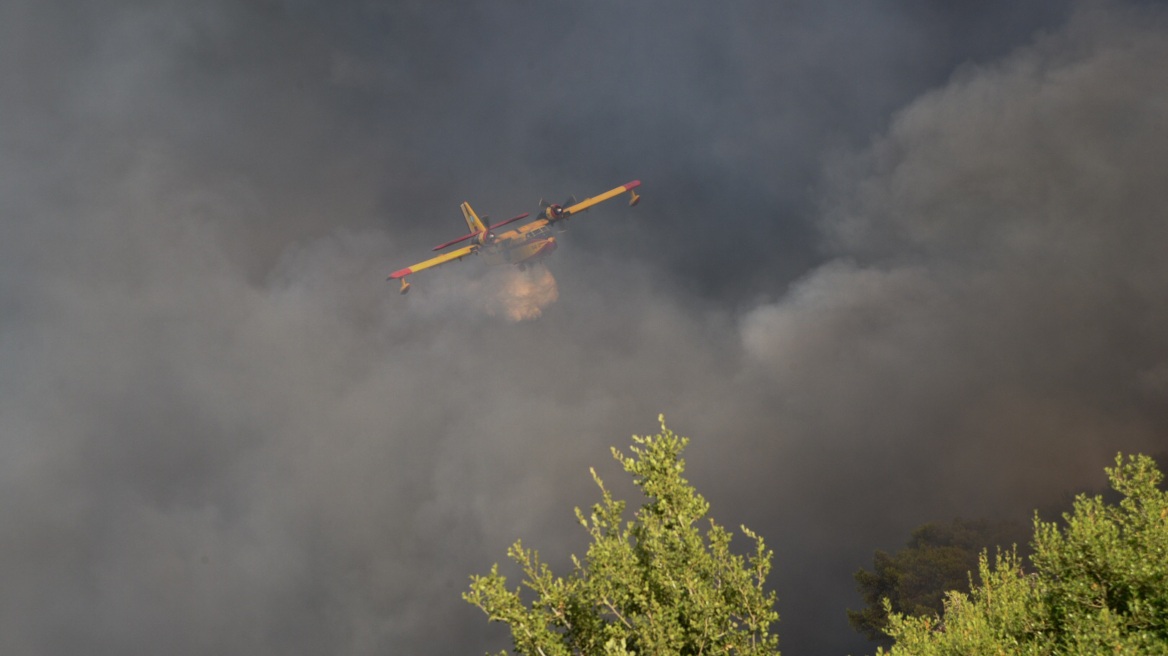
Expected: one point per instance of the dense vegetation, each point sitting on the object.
(938, 558)
(1097, 583)
(652, 585)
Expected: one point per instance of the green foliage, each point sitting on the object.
(653, 585)
(938, 558)
(1099, 584)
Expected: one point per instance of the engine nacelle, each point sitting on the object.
(553, 213)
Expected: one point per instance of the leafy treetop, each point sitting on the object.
(938, 558)
(652, 585)
(1099, 584)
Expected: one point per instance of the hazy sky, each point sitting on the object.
(895, 262)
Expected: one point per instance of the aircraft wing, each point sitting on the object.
(434, 261)
(589, 202)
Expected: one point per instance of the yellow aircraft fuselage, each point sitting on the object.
(527, 251)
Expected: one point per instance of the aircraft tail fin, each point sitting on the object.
(474, 225)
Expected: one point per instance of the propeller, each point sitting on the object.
(553, 212)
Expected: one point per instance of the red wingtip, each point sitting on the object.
(632, 185)
(400, 273)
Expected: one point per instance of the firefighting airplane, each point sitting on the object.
(521, 246)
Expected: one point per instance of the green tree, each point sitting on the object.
(938, 558)
(1098, 585)
(652, 585)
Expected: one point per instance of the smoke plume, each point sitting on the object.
(222, 431)
(472, 292)
(522, 295)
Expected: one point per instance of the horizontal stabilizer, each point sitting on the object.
(476, 234)
(454, 241)
(511, 220)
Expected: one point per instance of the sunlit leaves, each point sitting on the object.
(654, 585)
(1099, 584)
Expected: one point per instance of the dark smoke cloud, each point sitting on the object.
(991, 329)
(221, 431)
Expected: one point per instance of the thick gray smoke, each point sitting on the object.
(1000, 280)
(221, 431)
(992, 327)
